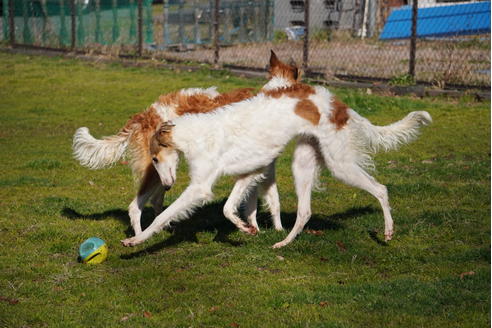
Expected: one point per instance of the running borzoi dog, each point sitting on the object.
(243, 138)
(135, 138)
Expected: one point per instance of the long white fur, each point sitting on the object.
(101, 153)
(97, 154)
(245, 137)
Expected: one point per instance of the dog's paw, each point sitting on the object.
(388, 235)
(279, 244)
(251, 230)
(130, 242)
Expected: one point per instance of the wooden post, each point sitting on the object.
(140, 28)
(216, 32)
(74, 24)
(413, 39)
(305, 52)
(12, 22)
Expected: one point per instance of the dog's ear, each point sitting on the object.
(273, 60)
(166, 127)
(163, 136)
(296, 72)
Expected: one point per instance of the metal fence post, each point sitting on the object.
(216, 32)
(140, 28)
(74, 26)
(413, 40)
(305, 51)
(12, 22)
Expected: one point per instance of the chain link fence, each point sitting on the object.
(438, 42)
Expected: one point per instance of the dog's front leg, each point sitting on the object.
(193, 196)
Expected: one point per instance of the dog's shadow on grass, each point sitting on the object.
(209, 218)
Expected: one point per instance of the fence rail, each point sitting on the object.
(441, 44)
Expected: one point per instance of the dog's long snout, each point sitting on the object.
(168, 184)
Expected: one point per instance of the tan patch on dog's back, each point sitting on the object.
(306, 109)
(146, 121)
(298, 90)
(202, 103)
(339, 114)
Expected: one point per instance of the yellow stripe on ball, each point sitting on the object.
(98, 256)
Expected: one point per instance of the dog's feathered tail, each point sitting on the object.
(371, 138)
(99, 153)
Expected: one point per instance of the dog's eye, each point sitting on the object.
(163, 145)
(155, 160)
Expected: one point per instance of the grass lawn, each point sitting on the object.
(435, 273)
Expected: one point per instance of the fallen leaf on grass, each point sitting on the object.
(11, 301)
(234, 325)
(280, 258)
(469, 273)
(324, 303)
(126, 317)
(341, 246)
(147, 314)
(315, 232)
(213, 309)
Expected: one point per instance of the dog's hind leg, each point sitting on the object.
(354, 175)
(270, 195)
(341, 159)
(268, 188)
(148, 187)
(304, 169)
(251, 208)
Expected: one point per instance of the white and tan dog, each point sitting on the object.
(243, 138)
